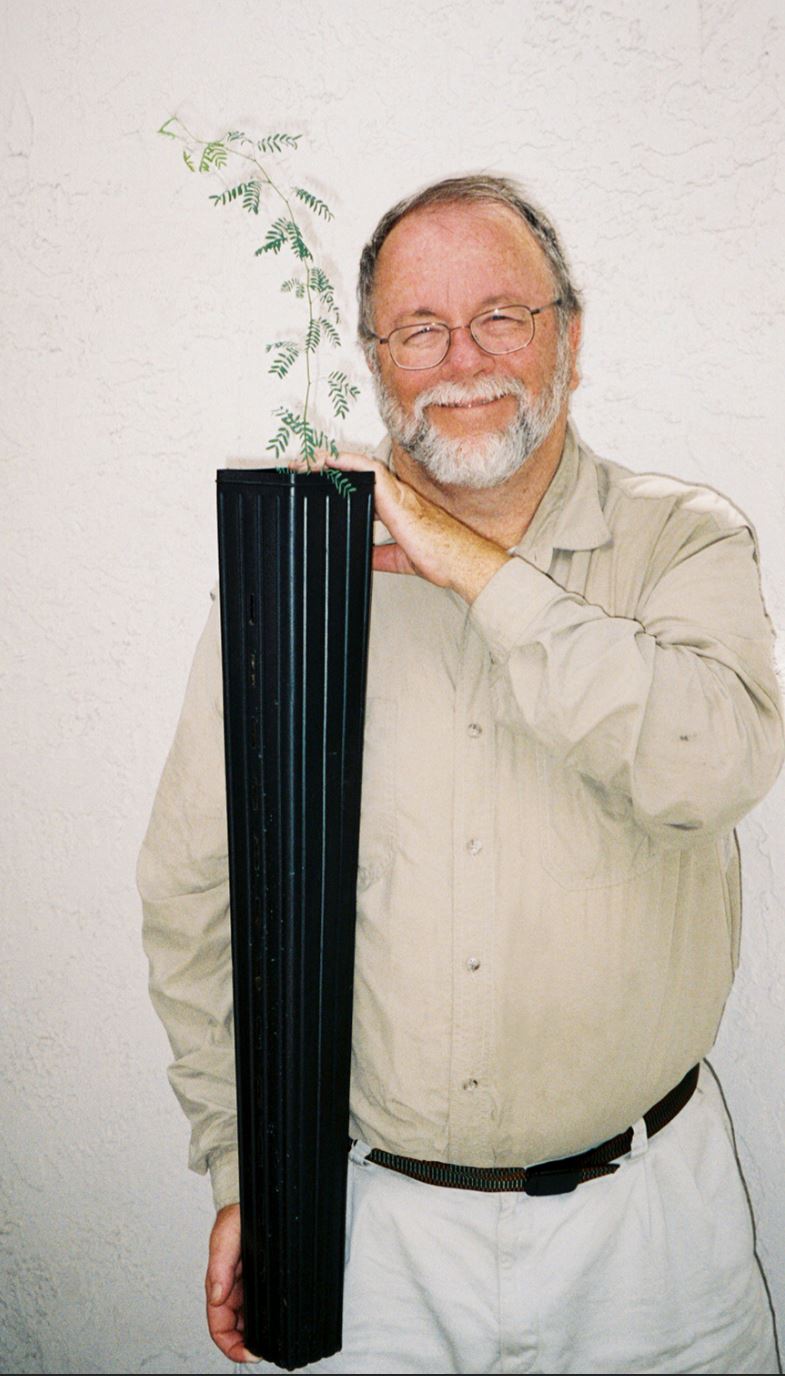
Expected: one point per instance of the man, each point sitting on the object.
(571, 704)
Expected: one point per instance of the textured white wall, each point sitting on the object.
(132, 368)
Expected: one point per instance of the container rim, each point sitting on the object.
(270, 477)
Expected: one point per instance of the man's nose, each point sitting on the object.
(465, 355)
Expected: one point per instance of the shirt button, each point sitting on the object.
(474, 846)
(472, 963)
(474, 728)
(470, 1084)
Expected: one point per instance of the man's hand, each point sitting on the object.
(428, 540)
(224, 1286)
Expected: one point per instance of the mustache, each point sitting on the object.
(488, 388)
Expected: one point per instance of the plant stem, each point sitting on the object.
(251, 157)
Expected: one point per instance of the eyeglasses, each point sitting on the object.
(503, 330)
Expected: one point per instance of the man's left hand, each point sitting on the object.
(428, 541)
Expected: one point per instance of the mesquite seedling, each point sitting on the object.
(254, 161)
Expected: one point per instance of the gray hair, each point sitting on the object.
(478, 187)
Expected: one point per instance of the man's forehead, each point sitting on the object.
(458, 229)
(459, 217)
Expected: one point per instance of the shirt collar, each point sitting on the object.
(569, 516)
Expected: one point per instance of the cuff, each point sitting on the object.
(510, 604)
(225, 1177)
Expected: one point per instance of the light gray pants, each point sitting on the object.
(648, 1270)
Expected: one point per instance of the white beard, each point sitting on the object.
(478, 461)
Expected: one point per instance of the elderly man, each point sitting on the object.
(571, 705)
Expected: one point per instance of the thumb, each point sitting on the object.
(224, 1254)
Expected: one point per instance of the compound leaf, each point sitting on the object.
(251, 194)
(320, 282)
(275, 239)
(288, 353)
(298, 244)
(296, 285)
(342, 393)
(330, 331)
(340, 480)
(314, 203)
(280, 440)
(273, 143)
(214, 155)
(232, 193)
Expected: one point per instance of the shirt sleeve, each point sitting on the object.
(183, 879)
(675, 709)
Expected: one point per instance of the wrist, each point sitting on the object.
(487, 558)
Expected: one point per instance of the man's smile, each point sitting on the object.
(466, 405)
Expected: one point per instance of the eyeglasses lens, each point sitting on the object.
(496, 332)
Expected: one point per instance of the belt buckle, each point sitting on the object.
(551, 1180)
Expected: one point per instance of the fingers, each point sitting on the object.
(224, 1287)
(391, 559)
(349, 460)
(225, 1323)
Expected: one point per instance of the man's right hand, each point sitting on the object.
(224, 1286)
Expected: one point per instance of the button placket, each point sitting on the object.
(473, 898)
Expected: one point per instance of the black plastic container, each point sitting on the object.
(295, 571)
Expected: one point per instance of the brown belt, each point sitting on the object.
(550, 1177)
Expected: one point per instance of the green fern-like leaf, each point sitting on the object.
(232, 193)
(287, 356)
(314, 203)
(165, 130)
(188, 160)
(312, 336)
(214, 155)
(293, 423)
(279, 442)
(292, 419)
(234, 136)
(297, 242)
(273, 143)
(319, 282)
(308, 445)
(330, 331)
(275, 239)
(340, 480)
(296, 285)
(342, 392)
(251, 194)
(311, 440)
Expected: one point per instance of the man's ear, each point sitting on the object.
(574, 334)
(370, 356)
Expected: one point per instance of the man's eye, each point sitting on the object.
(417, 333)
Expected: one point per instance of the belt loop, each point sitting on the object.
(640, 1139)
(358, 1151)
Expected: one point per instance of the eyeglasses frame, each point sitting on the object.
(423, 367)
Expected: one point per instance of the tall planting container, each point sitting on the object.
(295, 577)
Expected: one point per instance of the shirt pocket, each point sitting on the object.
(588, 837)
(378, 809)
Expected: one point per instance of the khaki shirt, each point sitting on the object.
(548, 891)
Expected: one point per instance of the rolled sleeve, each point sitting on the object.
(676, 708)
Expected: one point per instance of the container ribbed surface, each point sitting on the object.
(295, 571)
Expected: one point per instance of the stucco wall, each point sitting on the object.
(132, 368)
